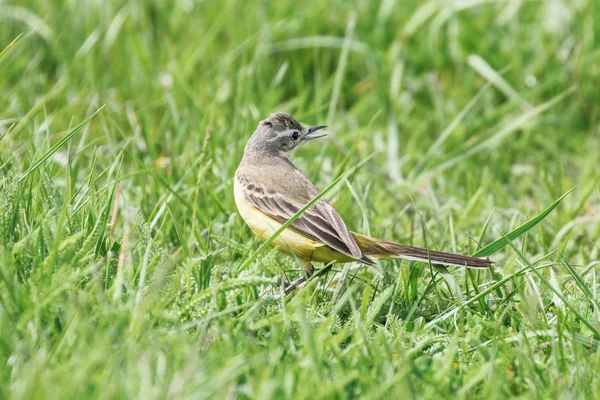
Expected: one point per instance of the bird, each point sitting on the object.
(269, 189)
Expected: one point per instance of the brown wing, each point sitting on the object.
(320, 222)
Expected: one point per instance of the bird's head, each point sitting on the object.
(280, 134)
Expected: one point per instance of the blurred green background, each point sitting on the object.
(122, 256)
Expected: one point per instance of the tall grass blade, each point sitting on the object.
(58, 145)
(499, 244)
(10, 46)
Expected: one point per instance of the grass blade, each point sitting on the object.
(580, 283)
(504, 131)
(499, 244)
(433, 149)
(10, 46)
(480, 295)
(58, 145)
(554, 290)
(495, 78)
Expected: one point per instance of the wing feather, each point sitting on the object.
(320, 221)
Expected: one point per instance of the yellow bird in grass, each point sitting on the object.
(269, 190)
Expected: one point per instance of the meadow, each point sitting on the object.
(470, 126)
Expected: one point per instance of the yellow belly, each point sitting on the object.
(289, 241)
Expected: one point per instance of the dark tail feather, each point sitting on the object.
(382, 249)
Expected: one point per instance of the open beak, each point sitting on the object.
(312, 135)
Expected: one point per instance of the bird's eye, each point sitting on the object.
(295, 135)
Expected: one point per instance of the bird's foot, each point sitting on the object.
(309, 271)
(294, 285)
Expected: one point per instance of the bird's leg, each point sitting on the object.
(308, 267)
(309, 270)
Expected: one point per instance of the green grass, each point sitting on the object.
(126, 272)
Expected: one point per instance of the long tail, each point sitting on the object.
(377, 248)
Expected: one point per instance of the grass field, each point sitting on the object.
(126, 272)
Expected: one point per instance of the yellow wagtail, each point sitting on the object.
(269, 190)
